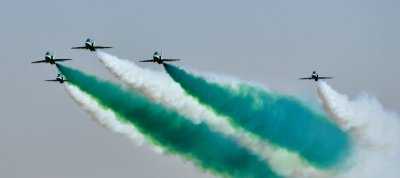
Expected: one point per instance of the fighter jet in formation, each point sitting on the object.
(315, 77)
(49, 58)
(157, 57)
(59, 78)
(90, 45)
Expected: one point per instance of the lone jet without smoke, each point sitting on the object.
(315, 77)
(59, 78)
(157, 57)
(49, 58)
(90, 45)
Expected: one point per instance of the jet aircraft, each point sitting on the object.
(59, 78)
(90, 45)
(157, 57)
(49, 58)
(315, 77)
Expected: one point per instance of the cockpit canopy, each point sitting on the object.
(48, 53)
(89, 40)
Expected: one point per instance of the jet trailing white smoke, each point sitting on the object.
(160, 88)
(106, 117)
(375, 131)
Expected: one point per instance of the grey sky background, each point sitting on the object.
(43, 133)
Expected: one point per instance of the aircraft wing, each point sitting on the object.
(81, 47)
(150, 60)
(62, 59)
(101, 47)
(52, 80)
(171, 59)
(306, 78)
(42, 61)
(325, 77)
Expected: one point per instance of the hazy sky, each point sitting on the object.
(43, 133)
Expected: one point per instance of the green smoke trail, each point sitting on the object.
(280, 119)
(176, 134)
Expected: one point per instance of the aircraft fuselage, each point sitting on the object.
(157, 59)
(315, 77)
(49, 58)
(90, 46)
(60, 79)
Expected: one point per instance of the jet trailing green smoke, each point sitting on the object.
(282, 120)
(173, 132)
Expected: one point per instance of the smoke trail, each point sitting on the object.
(280, 119)
(377, 132)
(357, 116)
(106, 117)
(162, 89)
(174, 133)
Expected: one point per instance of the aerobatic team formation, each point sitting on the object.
(235, 129)
(157, 57)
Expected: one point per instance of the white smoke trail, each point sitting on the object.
(160, 88)
(106, 117)
(376, 132)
